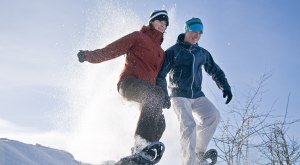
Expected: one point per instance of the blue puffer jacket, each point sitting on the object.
(184, 62)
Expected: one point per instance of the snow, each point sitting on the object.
(98, 125)
(13, 152)
(17, 153)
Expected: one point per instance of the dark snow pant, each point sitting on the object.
(151, 123)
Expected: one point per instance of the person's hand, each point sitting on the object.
(167, 102)
(228, 94)
(81, 55)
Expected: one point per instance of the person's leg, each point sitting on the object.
(151, 123)
(207, 118)
(183, 110)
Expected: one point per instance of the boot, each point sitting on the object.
(139, 144)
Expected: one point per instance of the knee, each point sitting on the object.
(218, 117)
(214, 118)
(188, 127)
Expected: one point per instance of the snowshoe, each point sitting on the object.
(212, 155)
(148, 156)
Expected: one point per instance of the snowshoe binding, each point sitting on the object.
(148, 156)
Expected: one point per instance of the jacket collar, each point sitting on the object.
(180, 41)
(154, 34)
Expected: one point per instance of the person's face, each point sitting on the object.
(192, 37)
(160, 25)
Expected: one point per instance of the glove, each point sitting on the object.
(81, 55)
(167, 102)
(228, 94)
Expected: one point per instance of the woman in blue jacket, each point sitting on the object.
(198, 117)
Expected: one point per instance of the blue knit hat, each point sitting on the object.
(193, 25)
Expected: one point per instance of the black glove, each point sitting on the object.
(167, 102)
(81, 56)
(228, 94)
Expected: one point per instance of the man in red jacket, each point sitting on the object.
(144, 58)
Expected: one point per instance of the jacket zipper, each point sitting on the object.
(193, 73)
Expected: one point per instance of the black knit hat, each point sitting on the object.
(161, 15)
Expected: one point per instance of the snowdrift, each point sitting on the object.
(16, 153)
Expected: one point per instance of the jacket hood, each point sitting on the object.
(180, 38)
(154, 34)
(180, 41)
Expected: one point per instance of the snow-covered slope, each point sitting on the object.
(17, 153)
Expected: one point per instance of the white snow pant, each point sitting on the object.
(198, 119)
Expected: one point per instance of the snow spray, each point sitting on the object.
(102, 122)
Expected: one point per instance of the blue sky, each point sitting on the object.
(43, 89)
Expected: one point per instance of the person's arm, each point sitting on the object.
(161, 78)
(111, 51)
(218, 76)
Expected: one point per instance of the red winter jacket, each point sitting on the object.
(144, 55)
